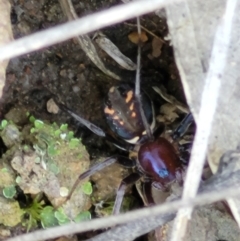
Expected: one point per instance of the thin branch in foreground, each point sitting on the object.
(146, 30)
(85, 41)
(159, 210)
(81, 26)
(208, 106)
(134, 229)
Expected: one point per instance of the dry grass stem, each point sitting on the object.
(206, 115)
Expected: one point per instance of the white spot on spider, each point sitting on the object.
(133, 140)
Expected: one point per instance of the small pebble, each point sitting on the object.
(76, 89)
(64, 192)
(52, 107)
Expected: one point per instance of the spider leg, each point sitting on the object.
(95, 129)
(185, 152)
(159, 130)
(183, 127)
(147, 193)
(98, 167)
(132, 178)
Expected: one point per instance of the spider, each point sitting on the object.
(155, 157)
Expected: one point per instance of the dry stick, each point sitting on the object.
(206, 116)
(81, 26)
(5, 37)
(84, 41)
(146, 30)
(137, 85)
(138, 215)
(132, 230)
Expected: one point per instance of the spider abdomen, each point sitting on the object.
(123, 115)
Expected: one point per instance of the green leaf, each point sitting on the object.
(26, 148)
(64, 222)
(61, 216)
(32, 119)
(52, 150)
(87, 188)
(18, 179)
(37, 159)
(53, 168)
(63, 127)
(74, 142)
(47, 217)
(9, 191)
(70, 135)
(32, 130)
(83, 216)
(4, 123)
(4, 169)
(57, 133)
(38, 124)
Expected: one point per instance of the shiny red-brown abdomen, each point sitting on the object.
(159, 160)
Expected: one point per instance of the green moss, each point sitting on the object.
(52, 150)
(49, 149)
(10, 212)
(32, 119)
(4, 124)
(83, 216)
(9, 192)
(61, 216)
(38, 124)
(57, 133)
(87, 188)
(48, 218)
(4, 170)
(63, 127)
(74, 143)
(33, 212)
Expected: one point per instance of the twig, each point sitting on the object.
(148, 31)
(81, 26)
(138, 215)
(5, 37)
(132, 230)
(84, 41)
(206, 115)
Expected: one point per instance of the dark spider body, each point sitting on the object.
(123, 113)
(160, 161)
(156, 157)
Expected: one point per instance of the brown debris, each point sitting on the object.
(134, 37)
